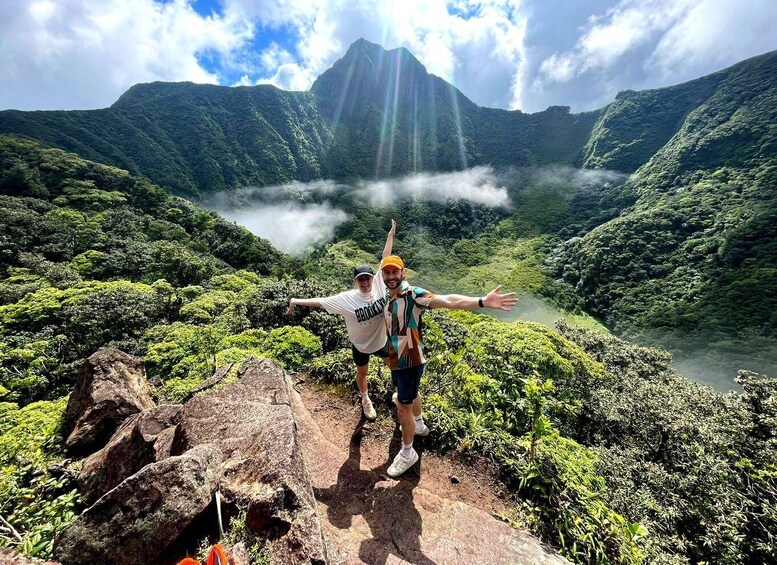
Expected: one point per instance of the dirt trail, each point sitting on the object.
(440, 512)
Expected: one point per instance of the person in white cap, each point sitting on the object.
(362, 307)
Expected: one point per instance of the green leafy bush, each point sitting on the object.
(266, 307)
(36, 504)
(337, 368)
(695, 467)
(293, 346)
(204, 308)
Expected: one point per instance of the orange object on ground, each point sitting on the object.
(188, 561)
(216, 556)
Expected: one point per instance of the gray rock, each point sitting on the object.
(137, 520)
(238, 555)
(252, 423)
(111, 387)
(142, 439)
(10, 557)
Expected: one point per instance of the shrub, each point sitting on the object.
(337, 368)
(38, 505)
(266, 307)
(292, 346)
(563, 481)
(203, 309)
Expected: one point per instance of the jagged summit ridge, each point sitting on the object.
(374, 113)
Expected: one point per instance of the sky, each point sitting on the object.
(512, 54)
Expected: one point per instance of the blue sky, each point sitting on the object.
(514, 54)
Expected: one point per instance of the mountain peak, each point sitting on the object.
(369, 74)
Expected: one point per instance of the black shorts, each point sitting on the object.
(407, 382)
(362, 359)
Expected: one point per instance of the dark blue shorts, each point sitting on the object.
(407, 382)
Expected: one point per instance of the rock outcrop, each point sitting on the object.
(142, 439)
(137, 520)
(368, 518)
(308, 494)
(111, 386)
(158, 472)
(251, 421)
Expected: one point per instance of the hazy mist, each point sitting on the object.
(290, 227)
(477, 185)
(297, 215)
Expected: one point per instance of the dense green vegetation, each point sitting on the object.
(612, 457)
(696, 254)
(81, 241)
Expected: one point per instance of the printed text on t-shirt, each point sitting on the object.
(371, 310)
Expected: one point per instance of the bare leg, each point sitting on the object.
(416, 408)
(406, 418)
(361, 378)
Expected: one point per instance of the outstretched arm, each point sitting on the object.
(390, 240)
(492, 300)
(312, 302)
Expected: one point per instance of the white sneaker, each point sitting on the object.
(402, 463)
(423, 432)
(368, 408)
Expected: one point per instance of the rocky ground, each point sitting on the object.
(297, 458)
(442, 511)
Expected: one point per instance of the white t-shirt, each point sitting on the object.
(363, 314)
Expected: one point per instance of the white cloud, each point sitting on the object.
(85, 53)
(289, 226)
(638, 44)
(474, 45)
(478, 185)
(611, 36)
(274, 56)
(717, 32)
(293, 217)
(527, 54)
(559, 68)
(290, 76)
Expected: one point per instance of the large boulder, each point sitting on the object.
(142, 439)
(137, 520)
(111, 387)
(252, 423)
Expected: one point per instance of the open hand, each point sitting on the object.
(498, 301)
(290, 309)
(393, 231)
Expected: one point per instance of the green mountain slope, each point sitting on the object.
(374, 113)
(698, 250)
(192, 138)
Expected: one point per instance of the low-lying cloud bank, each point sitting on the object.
(289, 226)
(478, 185)
(297, 215)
